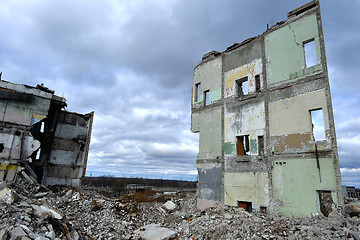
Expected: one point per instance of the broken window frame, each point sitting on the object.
(261, 146)
(310, 55)
(257, 83)
(240, 86)
(197, 92)
(315, 131)
(206, 97)
(243, 145)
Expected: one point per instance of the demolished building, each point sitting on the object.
(263, 112)
(39, 136)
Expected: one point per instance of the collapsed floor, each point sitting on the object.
(36, 212)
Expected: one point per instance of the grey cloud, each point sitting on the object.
(117, 56)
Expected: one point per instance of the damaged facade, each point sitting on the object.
(263, 112)
(37, 135)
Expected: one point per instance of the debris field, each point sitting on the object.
(28, 212)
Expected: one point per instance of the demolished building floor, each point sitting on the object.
(35, 212)
(37, 134)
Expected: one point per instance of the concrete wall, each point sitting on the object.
(294, 167)
(284, 50)
(247, 186)
(68, 157)
(207, 121)
(243, 119)
(247, 70)
(295, 184)
(208, 75)
(28, 120)
(291, 125)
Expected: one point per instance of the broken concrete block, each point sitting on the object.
(50, 235)
(8, 196)
(2, 185)
(3, 234)
(352, 209)
(17, 233)
(40, 195)
(41, 238)
(44, 211)
(170, 206)
(155, 232)
(10, 176)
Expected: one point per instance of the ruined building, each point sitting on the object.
(263, 112)
(50, 144)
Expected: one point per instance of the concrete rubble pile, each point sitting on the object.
(70, 213)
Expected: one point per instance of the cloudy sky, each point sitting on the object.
(132, 63)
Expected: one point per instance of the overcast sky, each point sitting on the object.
(132, 63)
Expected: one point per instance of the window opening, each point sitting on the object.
(325, 200)
(261, 145)
(310, 53)
(247, 206)
(197, 92)
(206, 98)
(257, 83)
(263, 210)
(318, 127)
(243, 145)
(242, 86)
(42, 127)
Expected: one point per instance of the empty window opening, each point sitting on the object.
(206, 98)
(263, 209)
(243, 145)
(197, 92)
(247, 206)
(257, 83)
(325, 200)
(261, 145)
(318, 127)
(310, 53)
(242, 86)
(42, 128)
(2, 147)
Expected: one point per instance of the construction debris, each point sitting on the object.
(38, 135)
(63, 213)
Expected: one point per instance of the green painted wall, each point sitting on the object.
(210, 133)
(209, 75)
(229, 148)
(295, 182)
(285, 53)
(214, 95)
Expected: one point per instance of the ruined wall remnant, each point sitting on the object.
(36, 134)
(263, 112)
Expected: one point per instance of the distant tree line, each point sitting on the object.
(119, 184)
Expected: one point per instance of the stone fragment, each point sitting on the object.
(155, 232)
(41, 238)
(24, 204)
(170, 206)
(40, 195)
(44, 211)
(3, 234)
(18, 232)
(50, 235)
(352, 209)
(2, 185)
(354, 235)
(7, 196)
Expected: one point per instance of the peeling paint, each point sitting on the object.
(264, 145)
